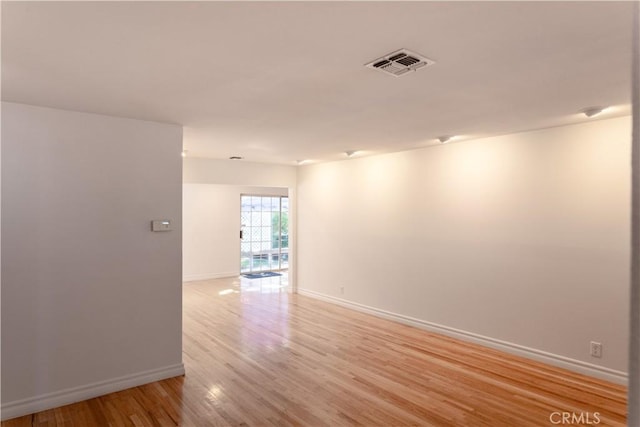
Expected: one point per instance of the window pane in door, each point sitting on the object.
(264, 223)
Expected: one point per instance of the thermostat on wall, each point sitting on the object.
(161, 225)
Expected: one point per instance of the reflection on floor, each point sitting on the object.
(258, 355)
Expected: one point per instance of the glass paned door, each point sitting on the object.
(264, 235)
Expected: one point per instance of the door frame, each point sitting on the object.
(289, 250)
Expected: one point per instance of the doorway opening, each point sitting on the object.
(264, 233)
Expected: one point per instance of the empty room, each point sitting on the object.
(334, 213)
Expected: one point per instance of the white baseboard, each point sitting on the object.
(43, 402)
(207, 276)
(574, 365)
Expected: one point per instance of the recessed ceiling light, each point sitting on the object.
(235, 158)
(592, 111)
(184, 153)
(444, 139)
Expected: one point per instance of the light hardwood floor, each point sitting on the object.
(257, 355)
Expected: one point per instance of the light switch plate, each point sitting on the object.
(161, 225)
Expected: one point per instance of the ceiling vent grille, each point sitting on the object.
(400, 62)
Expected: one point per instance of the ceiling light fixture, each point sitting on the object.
(351, 153)
(592, 111)
(444, 139)
(235, 158)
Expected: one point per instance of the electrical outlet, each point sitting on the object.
(596, 349)
(341, 290)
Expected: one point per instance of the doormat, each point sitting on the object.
(261, 275)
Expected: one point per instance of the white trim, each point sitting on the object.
(207, 276)
(43, 402)
(575, 365)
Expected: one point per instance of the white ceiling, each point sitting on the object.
(280, 81)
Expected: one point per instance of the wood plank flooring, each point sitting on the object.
(256, 355)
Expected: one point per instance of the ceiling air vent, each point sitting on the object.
(400, 62)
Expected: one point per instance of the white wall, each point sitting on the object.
(91, 298)
(633, 396)
(211, 217)
(238, 172)
(519, 241)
